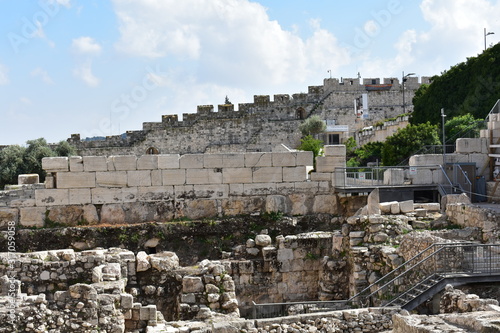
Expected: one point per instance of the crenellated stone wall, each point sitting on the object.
(129, 189)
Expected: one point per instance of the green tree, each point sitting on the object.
(462, 126)
(64, 149)
(308, 143)
(407, 141)
(312, 126)
(370, 152)
(32, 159)
(11, 164)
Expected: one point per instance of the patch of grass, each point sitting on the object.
(272, 216)
(311, 256)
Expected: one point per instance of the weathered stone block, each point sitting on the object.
(467, 145)
(233, 160)
(284, 159)
(236, 175)
(111, 178)
(155, 193)
(421, 176)
(147, 162)
(406, 206)
(320, 176)
(80, 196)
(395, 208)
(139, 178)
(235, 189)
(277, 203)
(129, 194)
(259, 189)
(55, 164)
(8, 215)
(156, 178)
(304, 158)
(51, 197)
(212, 161)
(192, 161)
(28, 179)
(168, 161)
(307, 187)
(174, 176)
(75, 163)
(95, 163)
(203, 176)
(76, 179)
(296, 174)
(103, 195)
(258, 160)
(335, 150)
(201, 208)
(32, 216)
(267, 175)
(113, 214)
(325, 204)
(285, 188)
(394, 176)
(122, 163)
(329, 163)
(192, 284)
(218, 191)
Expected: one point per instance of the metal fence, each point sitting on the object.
(440, 259)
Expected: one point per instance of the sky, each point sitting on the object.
(102, 67)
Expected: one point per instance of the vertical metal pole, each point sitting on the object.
(404, 103)
(444, 141)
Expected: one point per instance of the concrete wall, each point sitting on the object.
(128, 189)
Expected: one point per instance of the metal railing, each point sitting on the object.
(389, 176)
(438, 261)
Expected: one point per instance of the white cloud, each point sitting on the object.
(86, 45)
(4, 79)
(232, 40)
(39, 72)
(84, 73)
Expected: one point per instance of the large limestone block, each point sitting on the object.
(76, 163)
(28, 179)
(165, 261)
(111, 178)
(267, 175)
(156, 178)
(129, 194)
(277, 203)
(32, 216)
(139, 178)
(320, 176)
(142, 262)
(307, 187)
(191, 161)
(103, 195)
(201, 208)
(393, 176)
(174, 176)
(147, 162)
(168, 161)
(8, 215)
(203, 176)
(263, 240)
(72, 215)
(258, 160)
(95, 163)
(212, 161)
(421, 176)
(296, 174)
(373, 204)
(122, 163)
(192, 284)
(55, 164)
(335, 150)
(51, 197)
(468, 145)
(236, 175)
(76, 179)
(284, 159)
(325, 204)
(285, 188)
(155, 193)
(218, 191)
(301, 203)
(113, 214)
(428, 159)
(329, 163)
(304, 158)
(233, 160)
(259, 189)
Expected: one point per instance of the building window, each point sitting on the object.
(333, 139)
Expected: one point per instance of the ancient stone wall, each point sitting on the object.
(467, 215)
(128, 189)
(257, 126)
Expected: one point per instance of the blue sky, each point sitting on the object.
(101, 67)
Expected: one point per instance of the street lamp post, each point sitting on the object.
(404, 80)
(444, 142)
(486, 34)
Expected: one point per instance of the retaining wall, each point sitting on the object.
(128, 189)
